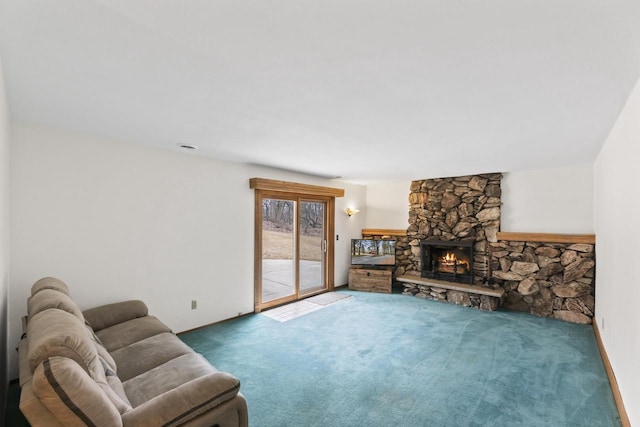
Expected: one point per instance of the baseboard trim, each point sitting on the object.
(214, 323)
(617, 397)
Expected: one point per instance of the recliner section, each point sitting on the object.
(116, 365)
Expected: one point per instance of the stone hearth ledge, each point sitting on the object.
(456, 293)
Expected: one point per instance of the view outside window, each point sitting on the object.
(278, 247)
(311, 245)
(278, 244)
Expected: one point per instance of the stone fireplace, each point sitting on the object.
(454, 251)
(451, 261)
(456, 210)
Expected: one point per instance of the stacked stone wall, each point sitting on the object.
(466, 299)
(452, 209)
(546, 279)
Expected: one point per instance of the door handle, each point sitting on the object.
(324, 246)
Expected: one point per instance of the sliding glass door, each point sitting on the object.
(313, 246)
(292, 248)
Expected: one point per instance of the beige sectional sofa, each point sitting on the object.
(115, 365)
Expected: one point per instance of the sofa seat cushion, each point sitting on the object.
(148, 353)
(166, 377)
(131, 331)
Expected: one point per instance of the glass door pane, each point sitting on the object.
(278, 249)
(313, 246)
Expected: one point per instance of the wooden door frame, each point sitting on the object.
(292, 191)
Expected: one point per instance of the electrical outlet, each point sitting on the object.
(603, 323)
(194, 304)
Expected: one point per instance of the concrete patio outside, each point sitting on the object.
(278, 281)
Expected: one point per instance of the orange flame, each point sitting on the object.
(451, 259)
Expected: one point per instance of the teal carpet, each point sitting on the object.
(396, 360)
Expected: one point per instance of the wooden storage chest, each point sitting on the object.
(370, 280)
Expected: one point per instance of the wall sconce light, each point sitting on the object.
(351, 211)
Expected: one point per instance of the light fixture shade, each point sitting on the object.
(351, 211)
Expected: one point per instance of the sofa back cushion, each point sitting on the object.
(52, 298)
(112, 314)
(73, 397)
(50, 283)
(54, 332)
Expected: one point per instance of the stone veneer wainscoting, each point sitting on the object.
(546, 279)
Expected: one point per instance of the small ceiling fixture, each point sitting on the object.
(351, 211)
(187, 146)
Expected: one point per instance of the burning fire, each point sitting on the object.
(451, 259)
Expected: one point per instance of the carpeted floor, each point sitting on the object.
(395, 360)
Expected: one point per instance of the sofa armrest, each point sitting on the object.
(185, 402)
(111, 314)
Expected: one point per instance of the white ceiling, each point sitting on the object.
(375, 89)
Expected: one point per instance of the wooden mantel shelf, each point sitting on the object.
(547, 237)
(383, 232)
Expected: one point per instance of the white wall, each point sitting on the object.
(617, 209)
(548, 201)
(542, 201)
(4, 238)
(121, 221)
(388, 205)
(348, 228)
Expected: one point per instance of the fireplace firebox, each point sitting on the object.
(446, 260)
